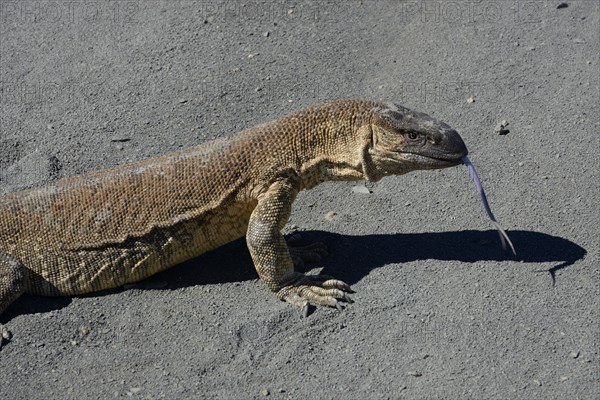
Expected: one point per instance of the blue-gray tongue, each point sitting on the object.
(503, 236)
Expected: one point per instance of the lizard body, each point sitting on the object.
(104, 229)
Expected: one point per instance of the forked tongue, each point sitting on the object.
(503, 236)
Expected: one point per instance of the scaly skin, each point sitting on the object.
(108, 228)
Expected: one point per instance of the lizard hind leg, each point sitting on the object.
(12, 285)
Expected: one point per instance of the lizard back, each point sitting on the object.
(106, 228)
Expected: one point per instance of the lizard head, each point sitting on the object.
(402, 140)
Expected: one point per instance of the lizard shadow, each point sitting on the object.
(351, 258)
(371, 251)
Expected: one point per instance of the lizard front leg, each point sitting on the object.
(11, 286)
(272, 258)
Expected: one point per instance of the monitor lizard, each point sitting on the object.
(108, 228)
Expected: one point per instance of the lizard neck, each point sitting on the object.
(324, 169)
(339, 155)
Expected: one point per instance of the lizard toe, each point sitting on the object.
(329, 282)
(321, 291)
(316, 290)
(318, 299)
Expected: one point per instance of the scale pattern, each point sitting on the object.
(116, 226)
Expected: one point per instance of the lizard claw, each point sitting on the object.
(305, 310)
(316, 290)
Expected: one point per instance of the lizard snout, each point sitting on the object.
(452, 145)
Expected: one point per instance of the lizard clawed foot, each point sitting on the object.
(321, 290)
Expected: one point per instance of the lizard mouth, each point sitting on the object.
(432, 161)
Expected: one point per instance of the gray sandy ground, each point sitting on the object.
(441, 311)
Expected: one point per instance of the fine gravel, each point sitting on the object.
(440, 312)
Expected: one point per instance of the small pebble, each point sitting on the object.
(500, 129)
(84, 330)
(361, 189)
(330, 216)
(537, 382)
(562, 5)
(50, 126)
(181, 101)
(470, 100)
(414, 373)
(574, 354)
(6, 334)
(135, 390)
(264, 392)
(266, 34)
(521, 164)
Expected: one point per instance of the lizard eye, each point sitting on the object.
(412, 135)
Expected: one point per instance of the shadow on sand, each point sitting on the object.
(352, 258)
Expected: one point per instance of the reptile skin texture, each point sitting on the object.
(120, 225)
